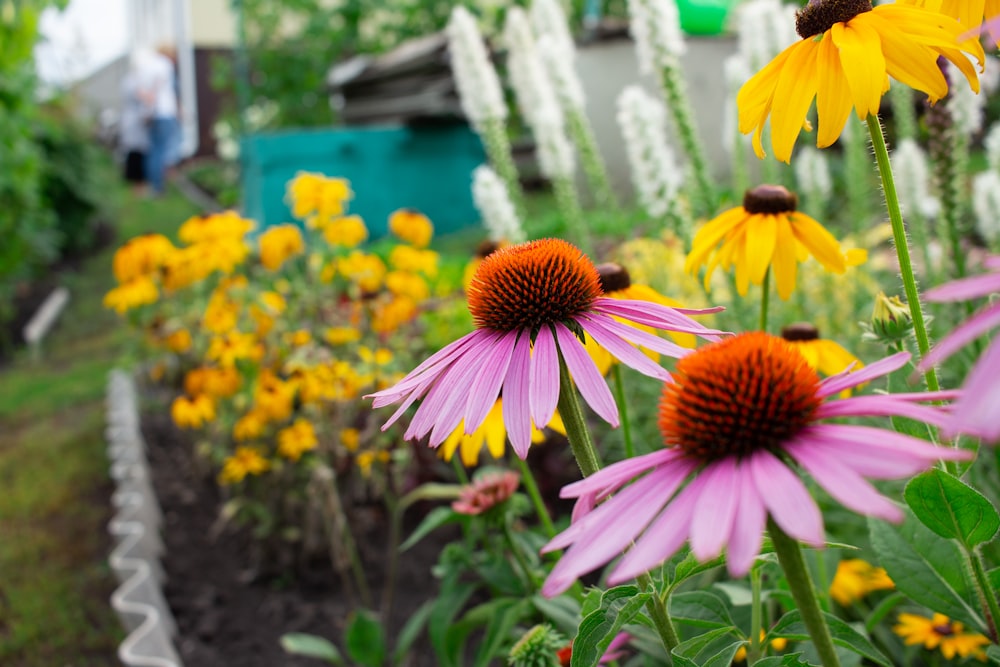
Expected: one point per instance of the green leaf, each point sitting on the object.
(563, 611)
(451, 600)
(411, 631)
(701, 609)
(790, 626)
(500, 622)
(951, 508)
(993, 654)
(311, 646)
(430, 491)
(687, 652)
(791, 660)
(993, 577)
(690, 567)
(618, 606)
(437, 517)
(364, 639)
(926, 567)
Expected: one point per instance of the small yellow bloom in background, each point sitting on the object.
(215, 382)
(821, 354)
(393, 314)
(249, 426)
(244, 461)
(225, 226)
(350, 438)
(379, 357)
(274, 302)
(778, 644)
(847, 53)
(140, 291)
(221, 314)
(365, 460)
(411, 226)
(273, 397)
(341, 335)
(179, 341)
(941, 633)
(856, 578)
(765, 233)
(348, 232)
(492, 434)
(405, 258)
(278, 244)
(233, 346)
(405, 283)
(192, 412)
(311, 193)
(141, 256)
(367, 271)
(298, 338)
(297, 439)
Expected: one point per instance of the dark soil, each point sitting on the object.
(227, 611)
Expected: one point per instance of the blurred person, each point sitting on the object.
(159, 96)
(133, 130)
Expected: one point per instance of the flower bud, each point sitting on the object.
(890, 319)
(538, 647)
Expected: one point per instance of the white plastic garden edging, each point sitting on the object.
(135, 527)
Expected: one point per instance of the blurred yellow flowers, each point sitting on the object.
(847, 53)
(411, 226)
(940, 632)
(244, 461)
(855, 579)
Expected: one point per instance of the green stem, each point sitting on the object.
(797, 575)
(531, 486)
(593, 164)
(494, 136)
(568, 203)
(765, 298)
(987, 596)
(616, 370)
(902, 245)
(680, 107)
(519, 557)
(756, 615)
(460, 473)
(576, 427)
(882, 610)
(657, 608)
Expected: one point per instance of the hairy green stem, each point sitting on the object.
(531, 486)
(590, 155)
(902, 245)
(494, 136)
(576, 427)
(616, 370)
(519, 557)
(680, 107)
(756, 618)
(790, 558)
(987, 596)
(657, 608)
(765, 299)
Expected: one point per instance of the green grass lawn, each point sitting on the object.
(54, 578)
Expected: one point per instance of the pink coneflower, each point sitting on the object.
(530, 302)
(738, 416)
(486, 492)
(975, 410)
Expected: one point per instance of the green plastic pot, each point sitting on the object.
(704, 17)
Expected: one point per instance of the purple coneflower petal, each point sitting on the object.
(962, 335)
(927, 396)
(618, 473)
(663, 537)
(543, 390)
(516, 413)
(882, 406)
(588, 379)
(657, 316)
(583, 506)
(976, 411)
(713, 515)
(432, 366)
(992, 263)
(748, 525)
(640, 337)
(787, 499)
(441, 411)
(621, 350)
(844, 484)
(415, 393)
(850, 379)
(486, 387)
(877, 452)
(965, 289)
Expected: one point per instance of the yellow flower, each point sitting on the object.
(823, 355)
(298, 338)
(310, 193)
(350, 438)
(233, 346)
(296, 439)
(411, 226)
(244, 461)
(778, 644)
(391, 315)
(141, 256)
(221, 314)
(215, 382)
(367, 271)
(179, 341)
(137, 292)
(187, 266)
(765, 233)
(970, 13)
(405, 258)
(942, 633)
(491, 433)
(847, 53)
(278, 244)
(249, 426)
(228, 226)
(348, 231)
(379, 357)
(857, 578)
(273, 397)
(192, 412)
(366, 459)
(404, 283)
(341, 335)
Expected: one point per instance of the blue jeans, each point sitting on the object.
(161, 134)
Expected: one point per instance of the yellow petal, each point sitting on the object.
(784, 261)
(821, 243)
(709, 236)
(833, 100)
(760, 245)
(755, 97)
(795, 90)
(864, 65)
(833, 358)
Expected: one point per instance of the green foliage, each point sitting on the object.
(311, 646)
(790, 626)
(952, 509)
(365, 639)
(619, 605)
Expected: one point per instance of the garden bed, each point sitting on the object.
(232, 610)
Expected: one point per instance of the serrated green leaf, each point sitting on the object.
(311, 646)
(951, 508)
(690, 567)
(618, 606)
(701, 609)
(411, 631)
(790, 626)
(364, 639)
(686, 653)
(925, 566)
(437, 517)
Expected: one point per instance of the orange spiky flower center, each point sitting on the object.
(738, 396)
(532, 284)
